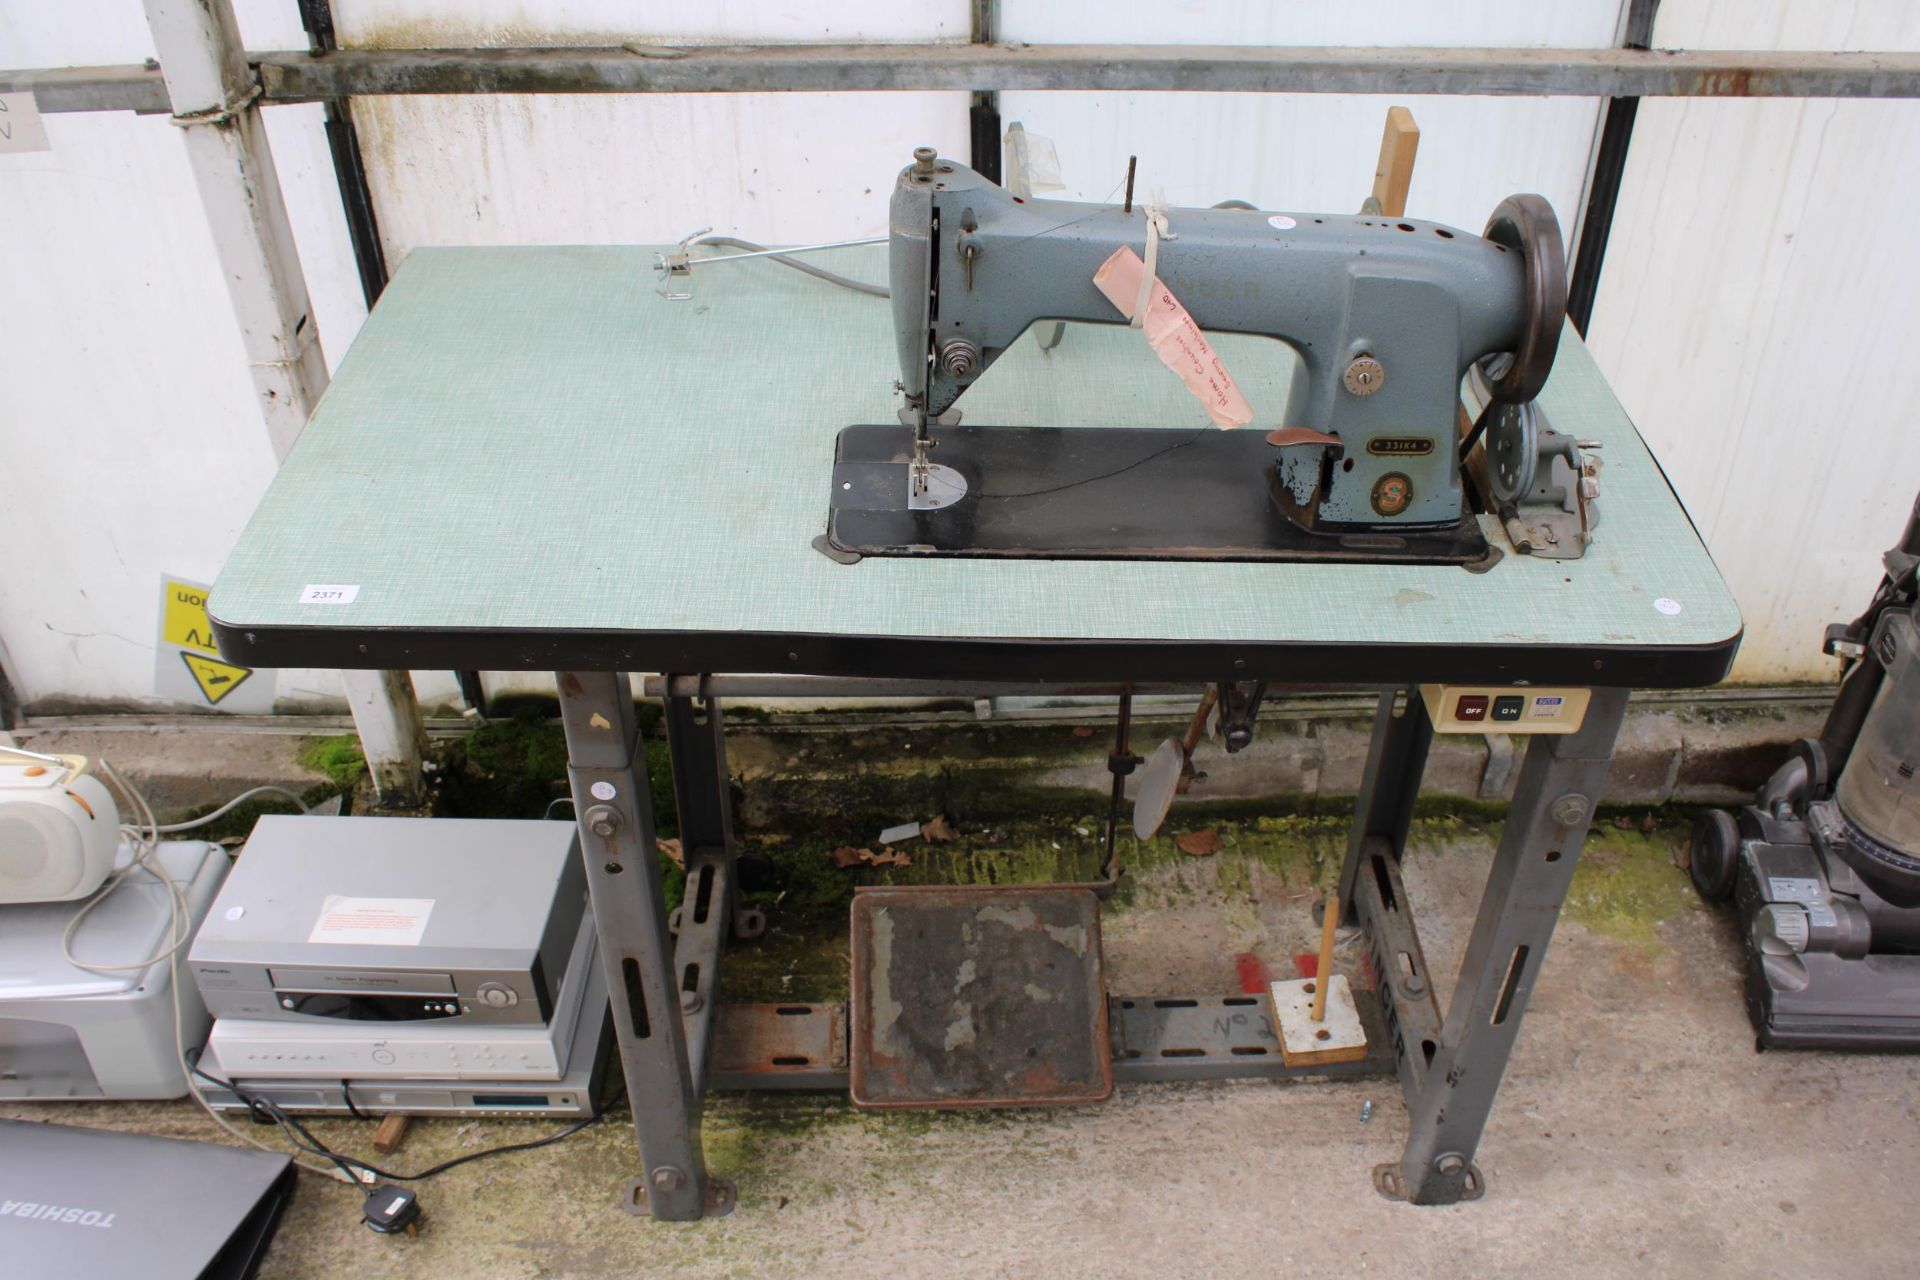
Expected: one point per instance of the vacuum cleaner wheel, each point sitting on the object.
(1713, 854)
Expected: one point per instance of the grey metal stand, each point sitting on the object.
(665, 995)
(1450, 1069)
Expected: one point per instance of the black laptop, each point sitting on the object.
(90, 1203)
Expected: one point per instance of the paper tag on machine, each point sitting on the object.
(1174, 337)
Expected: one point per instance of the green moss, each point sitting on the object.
(339, 758)
(1626, 883)
(803, 962)
(752, 1139)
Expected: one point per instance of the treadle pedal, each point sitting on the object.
(978, 996)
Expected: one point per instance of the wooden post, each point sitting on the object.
(1323, 978)
(392, 1131)
(1394, 174)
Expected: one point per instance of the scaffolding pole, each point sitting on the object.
(216, 99)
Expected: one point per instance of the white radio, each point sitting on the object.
(59, 829)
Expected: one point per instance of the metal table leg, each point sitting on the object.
(1383, 809)
(702, 798)
(608, 774)
(1559, 785)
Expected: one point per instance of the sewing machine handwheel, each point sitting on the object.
(1526, 223)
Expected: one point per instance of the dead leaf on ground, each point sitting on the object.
(1647, 824)
(1199, 844)
(938, 830)
(671, 847)
(847, 856)
(770, 838)
(1083, 731)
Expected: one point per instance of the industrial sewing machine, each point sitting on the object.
(1389, 318)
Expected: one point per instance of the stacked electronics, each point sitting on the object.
(371, 965)
(87, 981)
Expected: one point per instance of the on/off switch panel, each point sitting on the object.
(1495, 708)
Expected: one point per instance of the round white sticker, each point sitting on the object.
(234, 913)
(1667, 606)
(602, 790)
(1281, 222)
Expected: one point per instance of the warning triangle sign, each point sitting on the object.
(216, 679)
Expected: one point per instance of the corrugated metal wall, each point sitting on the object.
(1750, 313)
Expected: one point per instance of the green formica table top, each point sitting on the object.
(529, 459)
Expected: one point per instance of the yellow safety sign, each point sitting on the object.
(183, 618)
(187, 664)
(216, 679)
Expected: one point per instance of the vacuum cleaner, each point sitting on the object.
(1824, 866)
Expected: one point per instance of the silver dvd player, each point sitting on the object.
(267, 1049)
(583, 1088)
(361, 920)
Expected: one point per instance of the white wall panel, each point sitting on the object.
(563, 169)
(129, 443)
(1756, 316)
(545, 169)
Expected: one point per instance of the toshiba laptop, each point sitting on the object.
(87, 1203)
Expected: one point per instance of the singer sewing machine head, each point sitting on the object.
(1387, 315)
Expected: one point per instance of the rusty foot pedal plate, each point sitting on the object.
(978, 996)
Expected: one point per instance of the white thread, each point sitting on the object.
(1156, 227)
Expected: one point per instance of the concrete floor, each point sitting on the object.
(1637, 1132)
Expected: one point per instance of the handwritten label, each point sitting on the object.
(1175, 337)
(329, 593)
(21, 128)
